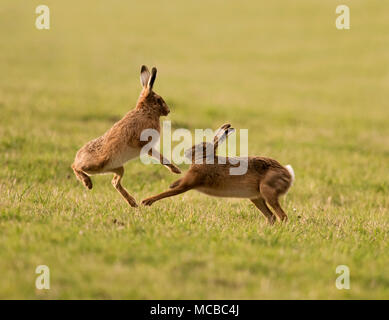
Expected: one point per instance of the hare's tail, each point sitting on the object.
(291, 171)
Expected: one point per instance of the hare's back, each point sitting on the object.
(218, 180)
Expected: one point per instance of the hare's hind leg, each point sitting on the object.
(271, 196)
(83, 177)
(116, 182)
(261, 205)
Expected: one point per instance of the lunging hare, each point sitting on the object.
(264, 181)
(108, 153)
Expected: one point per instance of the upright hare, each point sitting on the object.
(264, 181)
(108, 153)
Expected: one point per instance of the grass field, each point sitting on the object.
(309, 94)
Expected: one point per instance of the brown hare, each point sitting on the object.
(264, 181)
(121, 143)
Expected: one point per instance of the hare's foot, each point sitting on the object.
(148, 201)
(132, 202)
(83, 177)
(87, 181)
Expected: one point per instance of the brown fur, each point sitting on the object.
(108, 153)
(265, 180)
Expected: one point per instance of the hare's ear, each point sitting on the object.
(226, 133)
(220, 131)
(144, 76)
(150, 83)
(223, 136)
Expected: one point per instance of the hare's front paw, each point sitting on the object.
(148, 202)
(133, 204)
(130, 200)
(174, 169)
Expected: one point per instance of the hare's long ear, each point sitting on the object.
(144, 76)
(150, 84)
(223, 136)
(220, 131)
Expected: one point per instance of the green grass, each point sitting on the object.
(310, 95)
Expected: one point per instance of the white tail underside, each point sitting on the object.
(291, 171)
